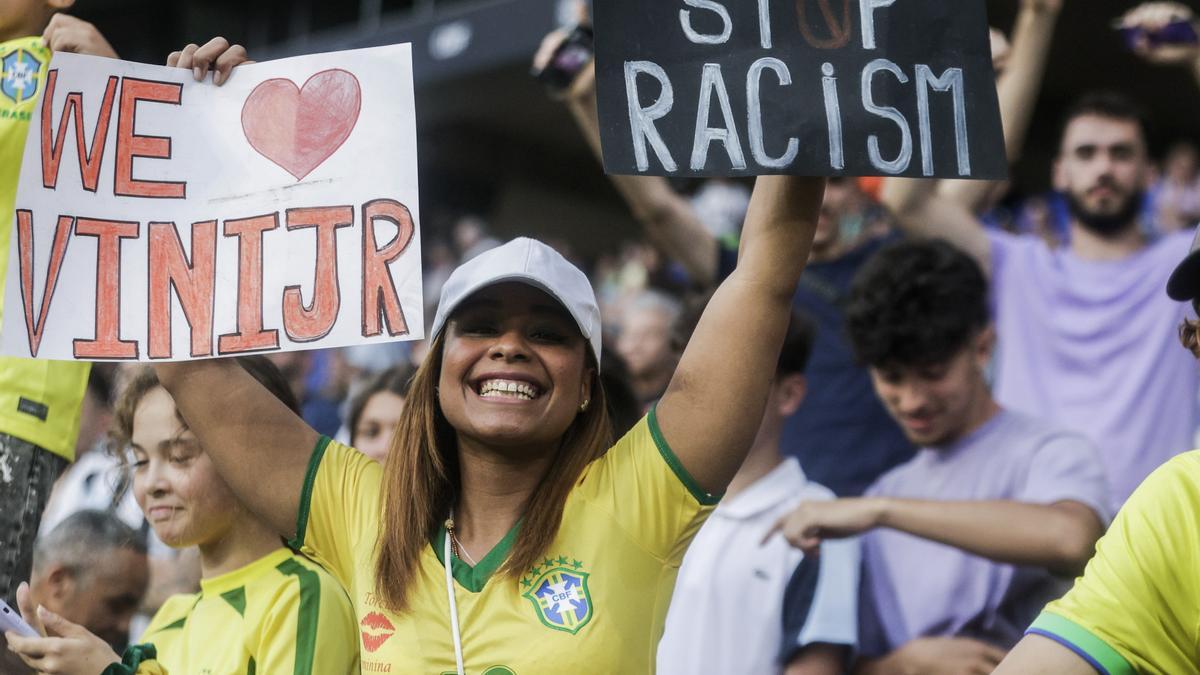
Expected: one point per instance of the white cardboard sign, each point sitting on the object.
(160, 218)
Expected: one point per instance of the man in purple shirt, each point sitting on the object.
(966, 542)
(1085, 331)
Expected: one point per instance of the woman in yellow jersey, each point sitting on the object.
(261, 608)
(506, 533)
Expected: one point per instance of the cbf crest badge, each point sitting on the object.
(19, 80)
(559, 592)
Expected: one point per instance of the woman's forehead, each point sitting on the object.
(513, 297)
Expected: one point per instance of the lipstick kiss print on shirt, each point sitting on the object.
(376, 629)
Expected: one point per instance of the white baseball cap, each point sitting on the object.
(531, 262)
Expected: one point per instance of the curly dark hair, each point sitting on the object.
(915, 304)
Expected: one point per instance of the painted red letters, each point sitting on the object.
(308, 323)
(35, 321)
(250, 336)
(194, 283)
(130, 144)
(379, 292)
(108, 343)
(90, 157)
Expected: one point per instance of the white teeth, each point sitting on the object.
(509, 389)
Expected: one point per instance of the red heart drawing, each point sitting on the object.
(299, 128)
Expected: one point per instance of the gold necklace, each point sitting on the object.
(456, 547)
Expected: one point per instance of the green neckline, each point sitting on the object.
(475, 578)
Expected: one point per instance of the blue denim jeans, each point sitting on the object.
(27, 474)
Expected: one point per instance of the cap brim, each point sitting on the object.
(1184, 284)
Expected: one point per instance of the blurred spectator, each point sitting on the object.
(742, 607)
(624, 411)
(721, 203)
(375, 412)
(471, 237)
(967, 541)
(1176, 196)
(91, 570)
(645, 344)
(1085, 332)
(439, 262)
(320, 392)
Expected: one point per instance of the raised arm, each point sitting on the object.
(1018, 89)
(922, 212)
(669, 220)
(714, 404)
(259, 446)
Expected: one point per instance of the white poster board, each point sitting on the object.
(160, 218)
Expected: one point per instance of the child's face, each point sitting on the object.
(174, 481)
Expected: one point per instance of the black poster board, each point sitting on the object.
(804, 87)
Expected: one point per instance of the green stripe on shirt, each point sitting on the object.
(1083, 642)
(309, 617)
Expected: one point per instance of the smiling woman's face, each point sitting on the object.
(514, 369)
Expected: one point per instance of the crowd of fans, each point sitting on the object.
(971, 387)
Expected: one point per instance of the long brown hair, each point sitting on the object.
(421, 481)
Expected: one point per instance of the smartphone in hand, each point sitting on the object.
(1181, 32)
(10, 620)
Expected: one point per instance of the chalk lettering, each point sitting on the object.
(833, 118)
(705, 135)
(904, 158)
(754, 103)
(641, 120)
(951, 80)
(764, 23)
(866, 10)
(685, 20)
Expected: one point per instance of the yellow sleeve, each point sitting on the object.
(1135, 608)
(648, 493)
(339, 508)
(309, 628)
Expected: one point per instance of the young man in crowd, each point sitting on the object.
(1085, 332)
(39, 400)
(858, 441)
(997, 511)
(742, 608)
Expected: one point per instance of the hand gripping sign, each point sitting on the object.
(804, 87)
(159, 218)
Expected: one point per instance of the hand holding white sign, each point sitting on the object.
(163, 218)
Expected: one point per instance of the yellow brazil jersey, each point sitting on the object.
(39, 400)
(279, 615)
(1137, 607)
(595, 604)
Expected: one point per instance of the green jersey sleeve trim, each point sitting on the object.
(310, 479)
(1083, 642)
(308, 614)
(705, 498)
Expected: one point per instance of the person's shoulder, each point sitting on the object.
(172, 615)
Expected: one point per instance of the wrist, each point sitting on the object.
(882, 511)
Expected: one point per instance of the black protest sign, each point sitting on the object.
(804, 87)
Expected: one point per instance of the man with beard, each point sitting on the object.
(1085, 332)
